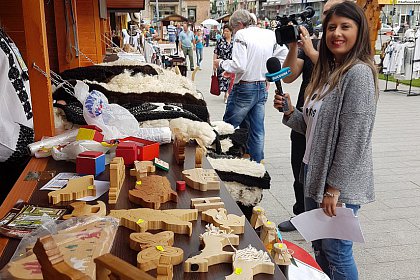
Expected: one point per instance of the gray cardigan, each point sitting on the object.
(341, 154)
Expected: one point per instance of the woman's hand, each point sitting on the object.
(279, 101)
(329, 202)
(305, 41)
(216, 63)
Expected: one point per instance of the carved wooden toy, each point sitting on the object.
(281, 254)
(249, 262)
(79, 246)
(142, 240)
(110, 267)
(144, 219)
(116, 178)
(225, 221)
(142, 169)
(258, 217)
(268, 235)
(199, 152)
(151, 191)
(75, 189)
(201, 179)
(179, 150)
(214, 241)
(206, 203)
(80, 208)
(52, 263)
(151, 257)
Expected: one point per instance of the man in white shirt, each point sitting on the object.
(252, 47)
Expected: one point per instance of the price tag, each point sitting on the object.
(138, 183)
(238, 271)
(91, 187)
(160, 248)
(268, 223)
(139, 221)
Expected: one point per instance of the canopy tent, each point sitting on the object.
(224, 19)
(210, 22)
(167, 20)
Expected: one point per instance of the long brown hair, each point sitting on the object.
(325, 71)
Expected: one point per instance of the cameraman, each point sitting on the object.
(252, 47)
(301, 58)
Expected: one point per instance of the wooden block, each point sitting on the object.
(149, 258)
(144, 219)
(201, 179)
(75, 189)
(245, 269)
(225, 221)
(53, 266)
(199, 152)
(80, 208)
(258, 217)
(281, 255)
(144, 240)
(116, 178)
(179, 150)
(119, 269)
(180, 185)
(206, 203)
(142, 169)
(165, 272)
(214, 241)
(152, 191)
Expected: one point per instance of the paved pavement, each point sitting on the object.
(391, 225)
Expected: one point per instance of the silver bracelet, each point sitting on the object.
(328, 194)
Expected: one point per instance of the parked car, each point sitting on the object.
(385, 28)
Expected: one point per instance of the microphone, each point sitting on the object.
(275, 74)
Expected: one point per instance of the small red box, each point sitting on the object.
(90, 163)
(147, 150)
(128, 151)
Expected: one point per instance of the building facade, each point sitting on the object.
(403, 13)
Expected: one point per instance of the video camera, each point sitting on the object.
(286, 33)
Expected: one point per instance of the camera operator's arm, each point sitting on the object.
(295, 63)
(307, 45)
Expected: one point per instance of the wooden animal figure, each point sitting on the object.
(142, 169)
(199, 152)
(225, 221)
(116, 178)
(144, 219)
(249, 262)
(179, 150)
(206, 203)
(75, 189)
(214, 241)
(280, 254)
(109, 267)
(151, 191)
(52, 263)
(80, 208)
(258, 217)
(201, 179)
(143, 240)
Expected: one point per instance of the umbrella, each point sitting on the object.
(210, 21)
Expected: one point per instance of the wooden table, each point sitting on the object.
(28, 191)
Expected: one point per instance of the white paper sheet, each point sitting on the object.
(101, 188)
(315, 224)
(304, 271)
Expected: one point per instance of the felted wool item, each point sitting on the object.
(202, 132)
(246, 195)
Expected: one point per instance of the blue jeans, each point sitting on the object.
(334, 256)
(199, 53)
(172, 38)
(246, 104)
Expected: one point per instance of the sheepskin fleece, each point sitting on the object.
(202, 132)
(122, 62)
(223, 128)
(226, 144)
(238, 165)
(248, 196)
(155, 123)
(167, 81)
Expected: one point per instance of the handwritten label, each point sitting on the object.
(139, 221)
(138, 183)
(91, 187)
(160, 248)
(238, 271)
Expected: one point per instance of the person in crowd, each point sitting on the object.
(337, 120)
(206, 32)
(301, 58)
(186, 38)
(223, 50)
(252, 47)
(178, 31)
(171, 29)
(199, 44)
(218, 35)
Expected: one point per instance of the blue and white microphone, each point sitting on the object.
(275, 74)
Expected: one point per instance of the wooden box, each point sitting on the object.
(90, 163)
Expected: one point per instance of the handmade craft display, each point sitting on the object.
(199, 152)
(214, 241)
(206, 203)
(142, 169)
(142, 240)
(249, 262)
(220, 218)
(52, 262)
(151, 191)
(75, 189)
(116, 178)
(144, 219)
(201, 179)
(111, 267)
(81, 208)
(80, 242)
